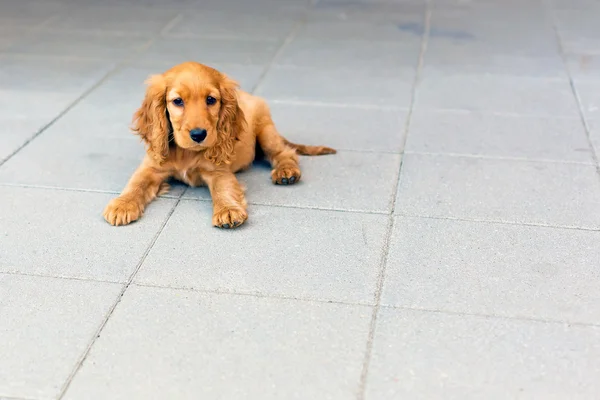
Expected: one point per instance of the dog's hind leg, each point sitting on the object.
(283, 158)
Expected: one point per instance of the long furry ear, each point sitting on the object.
(231, 123)
(150, 120)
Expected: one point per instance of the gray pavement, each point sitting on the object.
(450, 250)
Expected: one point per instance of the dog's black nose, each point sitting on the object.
(198, 135)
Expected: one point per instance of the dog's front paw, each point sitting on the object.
(230, 217)
(122, 212)
(285, 175)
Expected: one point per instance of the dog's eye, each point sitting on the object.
(178, 102)
(210, 100)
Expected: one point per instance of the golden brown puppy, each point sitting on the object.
(201, 129)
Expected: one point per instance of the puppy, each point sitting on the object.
(201, 129)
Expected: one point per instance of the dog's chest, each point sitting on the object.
(187, 171)
(190, 176)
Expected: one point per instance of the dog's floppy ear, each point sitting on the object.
(150, 120)
(231, 122)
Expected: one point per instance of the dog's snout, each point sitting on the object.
(198, 135)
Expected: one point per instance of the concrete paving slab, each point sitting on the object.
(403, 29)
(46, 325)
(343, 128)
(120, 20)
(498, 94)
(494, 269)
(210, 51)
(43, 74)
(476, 133)
(179, 344)
(500, 190)
(65, 158)
(65, 44)
(330, 54)
(589, 96)
(425, 355)
(62, 233)
(219, 24)
(280, 251)
(14, 132)
(469, 57)
(307, 85)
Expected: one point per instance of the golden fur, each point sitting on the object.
(176, 103)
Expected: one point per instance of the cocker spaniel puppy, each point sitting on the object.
(201, 129)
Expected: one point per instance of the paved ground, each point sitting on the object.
(451, 250)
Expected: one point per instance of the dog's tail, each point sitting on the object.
(305, 150)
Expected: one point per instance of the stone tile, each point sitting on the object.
(281, 252)
(180, 344)
(499, 190)
(8, 34)
(343, 128)
(218, 24)
(594, 126)
(374, 56)
(10, 143)
(347, 181)
(499, 94)
(398, 12)
(578, 29)
(209, 51)
(62, 233)
(588, 5)
(272, 9)
(392, 89)
(46, 325)
(402, 29)
(497, 269)
(63, 157)
(560, 139)
(42, 74)
(584, 67)
(462, 57)
(85, 46)
(14, 132)
(20, 10)
(531, 33)
(589, 96)
(27, 16)
(116, 20)
(40, 105)
(422, 355)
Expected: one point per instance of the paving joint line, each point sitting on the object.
(313, 103)
(256, 294)
(493, 316)
(496, 113)
(499, 158)
(390, 226)
(112, 309)
(299, 207)
(499, 222)
(129, 281)
(574, 91)
(76, 190)
(66, 278)
(183, 197)
(2, 397)
(284, 44)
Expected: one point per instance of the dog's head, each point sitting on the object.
(195, 106)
